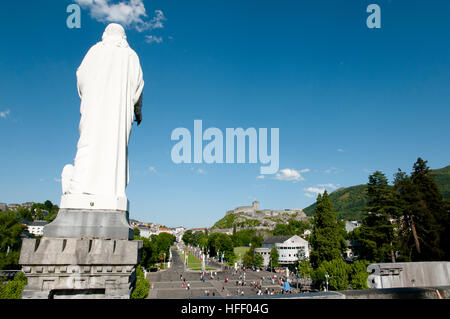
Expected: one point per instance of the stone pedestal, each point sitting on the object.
(90, 223)
(84, 253)
(79, 268)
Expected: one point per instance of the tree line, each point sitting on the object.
(406, 221)
(12, 226)
(155, 249)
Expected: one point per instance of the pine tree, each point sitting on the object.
(423, 213)
(445, 238)
(327, 242)
(378, 238)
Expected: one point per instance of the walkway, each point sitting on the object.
(167, 284)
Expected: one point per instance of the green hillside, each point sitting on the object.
(349, 202)
(442, 179)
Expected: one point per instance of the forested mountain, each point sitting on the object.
(349, 202)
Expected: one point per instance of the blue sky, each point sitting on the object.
(347, 99)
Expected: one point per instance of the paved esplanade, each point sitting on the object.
(167, 284)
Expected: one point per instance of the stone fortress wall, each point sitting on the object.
(254, 212)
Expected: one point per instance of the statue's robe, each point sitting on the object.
(110, 84)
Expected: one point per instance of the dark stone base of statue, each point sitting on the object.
(84, 254)
(98, 223)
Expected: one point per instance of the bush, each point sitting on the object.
(338, 271)
(142, 285)
(305, 269)
(358, 275)
(342, 275)
(14, 288)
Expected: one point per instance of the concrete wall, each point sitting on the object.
(413, 274)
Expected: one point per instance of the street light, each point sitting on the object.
(326, 278)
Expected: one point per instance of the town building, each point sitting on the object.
(144, 231)
(135, 223)
(290, 249)
(28, 205)
(352, 251)
(3, 207)
(307, 233)
(351, 225)
(36, 227)
(13, 206)
(178, 233)
(165, 230)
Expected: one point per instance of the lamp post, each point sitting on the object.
(326, 278)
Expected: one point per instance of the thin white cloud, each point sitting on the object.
(4, 114)
(157, 21)
(328, 185)
(260, 177)
(289, 174)
(152, 169)
(153, 39)
(315, 190)
(198, 170)
(333, 170)
(340, 150)
(57, 180)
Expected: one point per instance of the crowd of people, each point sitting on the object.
(239, 276)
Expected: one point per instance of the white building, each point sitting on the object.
(351, 225)
(290, 249)
(178, 233)
(144, 231)
(37, 227)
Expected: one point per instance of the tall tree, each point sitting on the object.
(423, 213)
(445, 239)
(377, 236)
(274, 257)
(10, 230)
(327, 241)
(258, 260)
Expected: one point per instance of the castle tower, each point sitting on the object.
(256, 205)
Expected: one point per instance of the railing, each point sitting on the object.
(9, 274)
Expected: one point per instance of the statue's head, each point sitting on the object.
(115, 34)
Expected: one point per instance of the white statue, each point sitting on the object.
(110, 84)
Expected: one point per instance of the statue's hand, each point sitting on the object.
(138, 119)
(138, 111)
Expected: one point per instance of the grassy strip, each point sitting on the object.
(193, 263)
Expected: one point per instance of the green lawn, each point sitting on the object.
(241, 250)
(194, 263)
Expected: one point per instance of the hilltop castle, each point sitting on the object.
(254, 212)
